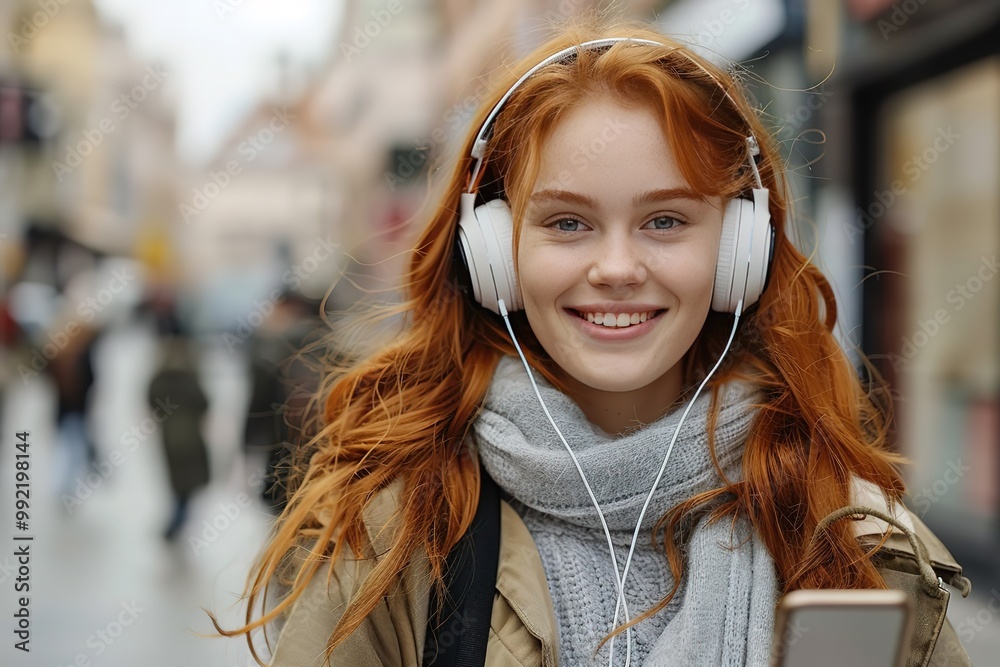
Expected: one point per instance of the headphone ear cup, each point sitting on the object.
(746, 228)
(472, 246)
(486, 238)
(725, 267)
(761, 247)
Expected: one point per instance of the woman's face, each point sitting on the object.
(616, 261)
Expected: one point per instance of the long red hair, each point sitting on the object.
(405, 409)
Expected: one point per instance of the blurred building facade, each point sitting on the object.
(887, 112)
(918, 108)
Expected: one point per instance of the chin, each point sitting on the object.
(620, 385)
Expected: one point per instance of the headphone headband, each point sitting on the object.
(479, 145)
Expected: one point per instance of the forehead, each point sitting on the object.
(607, 147)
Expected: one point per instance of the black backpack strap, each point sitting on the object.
(460, 639)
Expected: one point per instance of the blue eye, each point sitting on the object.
(665, 222)
(567, 225)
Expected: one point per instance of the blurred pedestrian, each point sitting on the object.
(179, 404)
(282, 382)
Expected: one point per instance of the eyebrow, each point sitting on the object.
(663, 194)
(667, 194)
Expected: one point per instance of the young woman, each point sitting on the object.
(680, 423)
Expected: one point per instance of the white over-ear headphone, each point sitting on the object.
(485, 232)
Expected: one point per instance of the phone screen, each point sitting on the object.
(860, 633)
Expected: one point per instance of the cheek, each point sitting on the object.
(707, 257)
(524, 270)
(538, 274)
(706, 277)
(691, 275)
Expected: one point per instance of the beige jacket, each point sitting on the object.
(523, 630)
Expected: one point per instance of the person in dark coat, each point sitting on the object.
(179, 406)
(283, 378)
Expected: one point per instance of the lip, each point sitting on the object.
(614, 334)
(616, 308)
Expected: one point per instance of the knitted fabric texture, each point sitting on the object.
(724, 612)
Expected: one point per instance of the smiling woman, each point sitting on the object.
(621, 221)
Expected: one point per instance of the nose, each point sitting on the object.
(619, 262)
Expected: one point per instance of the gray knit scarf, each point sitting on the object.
(724, 612)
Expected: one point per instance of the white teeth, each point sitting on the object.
(614, 320)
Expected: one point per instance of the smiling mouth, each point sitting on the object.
(618, 320)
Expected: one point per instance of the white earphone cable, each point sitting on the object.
(593, 498)
(635, 535)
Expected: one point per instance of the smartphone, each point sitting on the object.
(831, 628)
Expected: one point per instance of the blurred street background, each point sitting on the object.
(192, 191)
